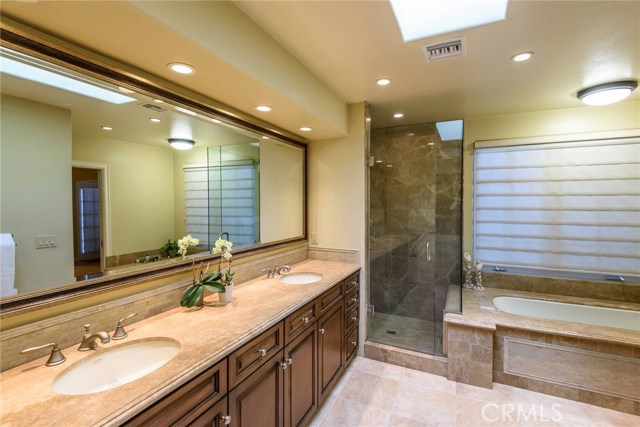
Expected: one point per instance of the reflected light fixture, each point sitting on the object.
(181, 68)
(263, 108)
(155, 120)
(306, 129)
(523, 56)
(383, 82)
(107, 128)
(181, 143)
(607, 93)
(398, 115)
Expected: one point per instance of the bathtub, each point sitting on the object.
(591, 315)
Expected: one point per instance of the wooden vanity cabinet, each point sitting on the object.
(252, 355)
(330, 349)
(301, 378)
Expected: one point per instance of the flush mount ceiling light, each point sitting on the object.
(181, 68)
(265, 137)
(306, 129)
(523, 56)
(182, 143)
(420, 19)
(383, 82)
(154, 120)
(263, 108)
(398, 115)
(607, 93)
(107, 128)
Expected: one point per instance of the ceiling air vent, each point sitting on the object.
(153, 107)
(454, 47)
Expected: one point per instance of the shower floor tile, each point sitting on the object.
(376, 394)
(405, 332)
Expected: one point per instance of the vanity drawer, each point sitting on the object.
(351, 346)
(297, 322)
(352, 299)
(352, 282)
(210, 386)
(252, 355)
(329, 298)
(351, 319)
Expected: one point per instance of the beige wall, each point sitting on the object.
(281, 188)
(624, 115)
(336, 187)
(140, 191)
(35, 190)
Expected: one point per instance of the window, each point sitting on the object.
(562, 209)
(88, 199)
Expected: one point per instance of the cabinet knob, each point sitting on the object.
(305, 320)
(354, 283)
(285, 363)
(354, 318)
(354, 299)
(353, 343)
(226, 419)
(262, 352)
(321, 330)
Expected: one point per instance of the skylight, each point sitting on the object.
(425, 18)
(49, 78)
(450, 131)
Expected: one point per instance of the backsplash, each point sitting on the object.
(67, 329)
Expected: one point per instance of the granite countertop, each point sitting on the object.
(478, 310)
(206, 337)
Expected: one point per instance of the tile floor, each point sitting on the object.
(412, 334)
(377, 394)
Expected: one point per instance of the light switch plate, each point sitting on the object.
(44, 241)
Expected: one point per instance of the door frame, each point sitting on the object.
(105, 211)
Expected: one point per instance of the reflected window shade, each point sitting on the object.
(569, 209)
(89, 217)
(221, 199)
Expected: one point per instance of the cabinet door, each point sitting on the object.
(301, 379)
(330, 349)
(258, 400)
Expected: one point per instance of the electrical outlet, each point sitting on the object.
(314, 237)
(46, 241)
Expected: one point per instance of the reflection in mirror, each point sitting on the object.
(91, 186)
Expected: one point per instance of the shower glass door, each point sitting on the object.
(414, 233)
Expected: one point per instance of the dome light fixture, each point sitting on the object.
(607, 93)
(181, 68)
(523, 56)
(306, 129)
(398, 115)
(182, 143)
(263, 108)
(383, 82)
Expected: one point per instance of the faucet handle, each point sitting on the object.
(87, 328)
(55, 358)
(120, 333)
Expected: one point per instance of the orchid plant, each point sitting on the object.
(185, 243)
(201, 281)
(223, 247)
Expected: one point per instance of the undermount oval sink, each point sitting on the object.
(116, 366)
(301, 278)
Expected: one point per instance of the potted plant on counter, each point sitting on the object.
(223, 247)
(194, 295)
(170, 248)
(185, 243)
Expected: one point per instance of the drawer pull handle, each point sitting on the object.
(354, 318)
(226, 419)
(353, 343)
(353, 283)
(305, 320)
(262, 352)
(354, 299)
(321, 331)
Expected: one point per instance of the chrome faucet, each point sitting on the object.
(88, 340)
(286, 268)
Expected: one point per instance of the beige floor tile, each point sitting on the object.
(371, 390)
(433, 408)
(398, 421)
(429, 381)
(499, 393)
(381, 369)
(347, 413)
(477, 413)
(603, 417)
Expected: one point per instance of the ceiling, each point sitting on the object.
(331, 52)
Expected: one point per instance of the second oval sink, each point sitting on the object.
(116, 366)
(301, 278)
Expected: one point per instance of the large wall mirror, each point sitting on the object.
(92, 190)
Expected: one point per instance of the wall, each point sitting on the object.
(281, 191)
(35, 146)
(336, 188)
(140, 191)
(624, 115)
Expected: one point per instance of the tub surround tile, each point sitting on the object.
(400, 357)
(206, 336)
(470, 358)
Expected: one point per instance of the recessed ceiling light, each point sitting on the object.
(378, 161)
(306, 129)
(184, 110)
(181, 143)
(263, 108)
(398, 115)
(389, 166)
(431, 143)
(411, 134)
(181, 68)
(265, 137)
(522, 56)
(383, 82)
(125, 90)
(607, 93)
(215, 120)
(159, 101)
(107, 128)
(154, 120)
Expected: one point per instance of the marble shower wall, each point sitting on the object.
(415, 199)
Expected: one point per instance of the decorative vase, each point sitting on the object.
(226, 296)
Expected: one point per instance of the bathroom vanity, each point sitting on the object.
(271, 357)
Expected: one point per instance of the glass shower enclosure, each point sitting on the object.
(415, 215)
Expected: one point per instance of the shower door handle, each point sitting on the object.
(428, 251)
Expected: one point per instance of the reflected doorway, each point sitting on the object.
(87, 223)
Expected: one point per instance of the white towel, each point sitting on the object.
(7, 265)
